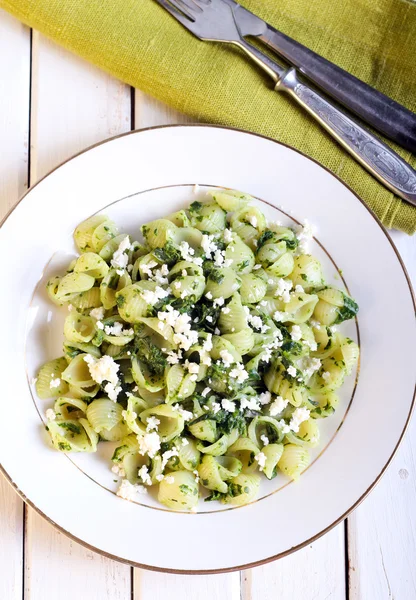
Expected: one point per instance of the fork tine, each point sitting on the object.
(176, 11)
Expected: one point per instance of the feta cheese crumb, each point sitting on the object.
(261, 459)
(120, 259)
(264, 439)
(296, 333)
(252, 220)
(283, 288)
(227, 358)
(239, 373)
(326, 375)
(228, 405)
(98, 313)
(169, 479)
(112, 391)
(228, 236)
(149, 444)
(50, 414)
(277, 406)
(102, 369)
(152, 423)
(128, 491)
(299, 416)
(143, 473)
(208, 295)
(225, 310)
(55, 383)
(119, 471)
(265, 398)
(291, 371)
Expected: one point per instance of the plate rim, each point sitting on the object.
(367, 491)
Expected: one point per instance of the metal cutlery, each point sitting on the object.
(378, 110)
(213, 20)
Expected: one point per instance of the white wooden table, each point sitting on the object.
(52, 105)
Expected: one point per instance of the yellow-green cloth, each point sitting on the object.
(138, 42)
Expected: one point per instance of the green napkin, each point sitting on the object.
(138, 42)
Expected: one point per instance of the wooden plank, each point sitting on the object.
(14, 127)
(73, 105)
(317, 571)
(382, 531)
(158, 586)
(149, 112)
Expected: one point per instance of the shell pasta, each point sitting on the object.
(207, 351)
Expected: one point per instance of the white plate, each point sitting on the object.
(145, 175)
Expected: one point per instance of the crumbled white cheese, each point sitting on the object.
(186, 414)
(249, 403)
(50, 414)
(149, 443)
(219, 301)
(99, 325)
(252, 220)
(299, 415)
(120, 259)
(239, 373)
(55, 383)
(166, 456)
(152, 423)
(326, 375)
(219, 258)
(209, 319)
(143, 473)
(191, 366)
(208, 295)
(169, 479)
(291, 371)
(299, 289)
(226, 310)
(227, 358)
(296, 333)
(228, 405)
(115, 329)
(207, 344)
(185, 442)
(256, 267)
(152, 297)
(277, 406)
(228, 236)
(147, 268)
(102, 369)
(261, 459)
(119, 471)
(283, 288)
(279, 316)
(208, 245)
(98, 313)
(215, 407)
(112, 391)
(128, 491)
(264, 439)
(265, 398)
(283, 426)
(205, 392)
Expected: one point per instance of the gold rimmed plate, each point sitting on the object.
(148, 174)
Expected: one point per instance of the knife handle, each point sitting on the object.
(375, 156)
(384, 114)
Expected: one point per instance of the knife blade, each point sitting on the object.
(375, 108)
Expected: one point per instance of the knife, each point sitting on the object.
(378, 110)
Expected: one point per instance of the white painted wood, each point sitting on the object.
(14, 128)
(74, 105)
(149, 112)
(157, 586)
(148, 585)
(316, 572)
(382, 531)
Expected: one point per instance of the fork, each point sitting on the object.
(213, 20)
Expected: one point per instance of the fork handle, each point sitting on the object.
(375, 156)
(383, 113)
